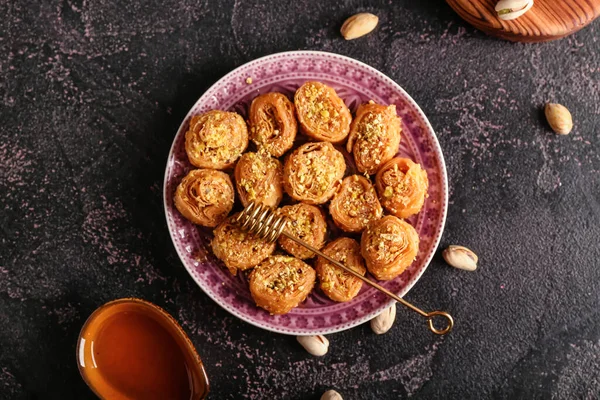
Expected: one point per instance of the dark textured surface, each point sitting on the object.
(91, 95)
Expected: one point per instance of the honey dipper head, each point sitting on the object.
(261, 221)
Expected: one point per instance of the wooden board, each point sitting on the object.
(547, 19)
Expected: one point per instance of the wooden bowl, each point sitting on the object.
(547, 20)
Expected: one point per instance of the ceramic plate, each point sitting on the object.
(356, 83)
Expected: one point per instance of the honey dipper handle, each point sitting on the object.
(429, 316)
(265, 223)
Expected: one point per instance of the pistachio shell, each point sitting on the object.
(359, 25)
(315, 345)
(511, 4)
(559, 118)
(512, 9)
(384, 321)
(460, 257)
(331, 395)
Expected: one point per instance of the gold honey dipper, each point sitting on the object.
(263, 222)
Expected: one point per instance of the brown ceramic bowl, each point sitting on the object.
(132, 349)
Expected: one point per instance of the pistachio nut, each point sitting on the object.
(315, 345)
(559, 118)
(384, 321)
(359, 25)
(460, 257)
(512, 9)
(331, 395)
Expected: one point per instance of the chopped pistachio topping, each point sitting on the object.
(288, 277)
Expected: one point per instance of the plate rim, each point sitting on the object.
(444, 211)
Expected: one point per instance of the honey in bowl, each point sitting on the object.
(132, 349)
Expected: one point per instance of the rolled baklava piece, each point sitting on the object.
(273, 125)
(281, 283)
(238, 249)
(216, 139)
(313, 172)
(205, 197)
(322, 114)
(306, 222)
(374, 136)
(336, 283)
(355, 204)
(258, 178)
(402, 186)
(389, 246)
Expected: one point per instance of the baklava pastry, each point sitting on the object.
(205, 197)
(336, 283)
(402, 186)
(389, 246)
(355, 204)
(216, 139)
(306, 222)
(322, 114)
(374, 136)
(237, 249)
(280, 283)
(273, 125)
(312, 172)
(258, 178)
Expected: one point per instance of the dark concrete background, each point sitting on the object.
(91, 96)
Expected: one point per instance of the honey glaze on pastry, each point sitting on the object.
(389, 246)
(322, 114)
(306, 222)
(402, 186)
(273, 125)
(258, 178)
(336, 283)
(355, 204)
(205, 197)
(280, 283)
(238, 249)
(312, 172)
(216, 139)
(374, 136)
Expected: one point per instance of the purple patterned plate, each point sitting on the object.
(356, 83)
